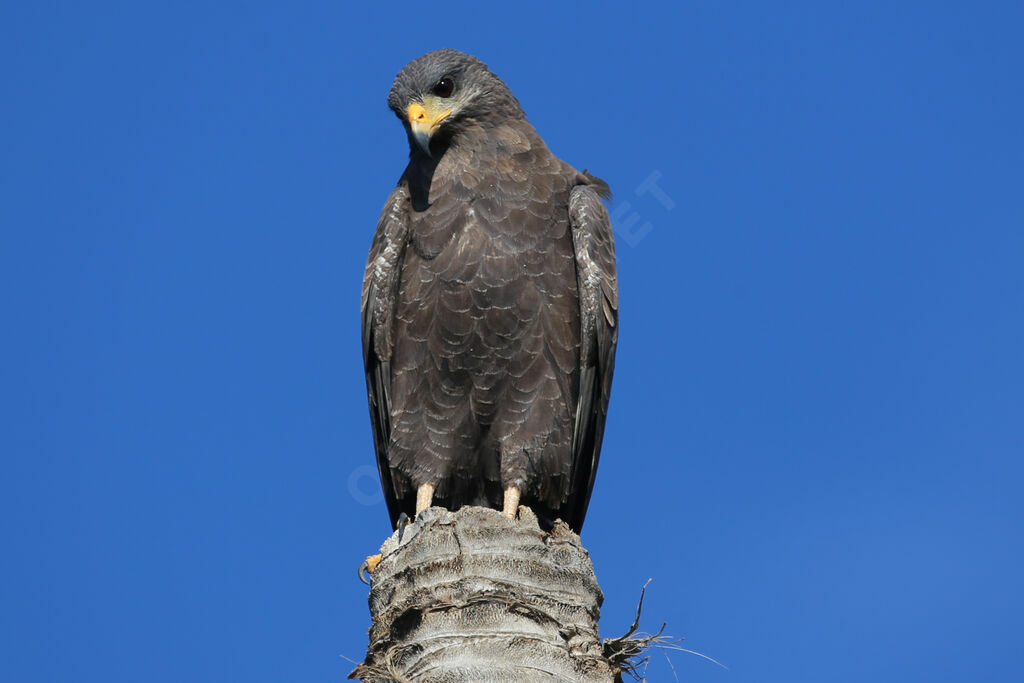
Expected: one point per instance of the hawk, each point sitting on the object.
(489, 307)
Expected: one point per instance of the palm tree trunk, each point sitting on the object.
(471, 596)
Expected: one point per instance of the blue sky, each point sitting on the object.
(815, 438)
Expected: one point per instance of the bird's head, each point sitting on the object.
(437, 95)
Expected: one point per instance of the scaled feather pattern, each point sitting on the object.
(489, 305)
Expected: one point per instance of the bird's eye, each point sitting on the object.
(444, 87)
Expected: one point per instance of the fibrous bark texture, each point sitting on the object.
(472, 596)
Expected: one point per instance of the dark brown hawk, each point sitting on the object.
(490, 307)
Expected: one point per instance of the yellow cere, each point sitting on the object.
(416, 112)
(426, 116)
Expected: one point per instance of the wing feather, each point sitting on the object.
(380, 290)
(597, 279)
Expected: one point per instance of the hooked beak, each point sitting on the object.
(424, 120)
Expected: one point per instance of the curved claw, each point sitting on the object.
(368, 565)
(403, 521)
(362, 572)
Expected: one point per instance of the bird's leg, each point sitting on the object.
(511, 506)
(424, 496)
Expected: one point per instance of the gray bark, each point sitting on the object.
(471, 596)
